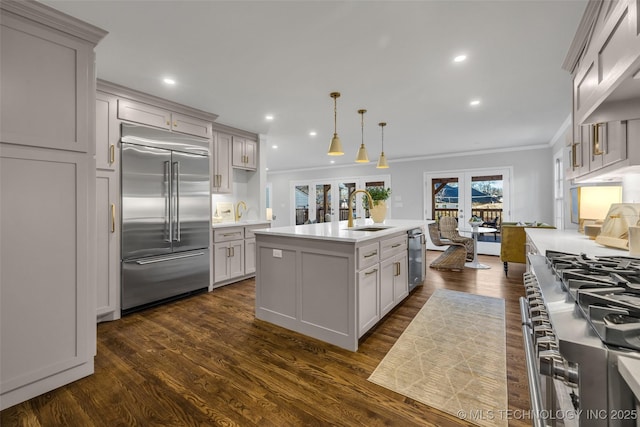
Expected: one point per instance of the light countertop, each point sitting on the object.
(570, 241)
(250, 222)
(338, 231)
(629, 368)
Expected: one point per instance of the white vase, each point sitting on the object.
(378, 211)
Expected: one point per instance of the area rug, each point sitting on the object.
(452, 357)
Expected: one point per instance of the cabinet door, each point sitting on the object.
(221, 181)
(236, 258)
(144, 113)
(190, 125)
(368, 305)
(615, 142)
(221, 252)
(238, 156)
(107, 132)
(387, 275)
(251, 154)
(249, 256)
(400, 278)
(45, 80)
(108, 260)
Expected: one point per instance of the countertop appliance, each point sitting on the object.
(416, 248)
(166, 215)
(581, 314)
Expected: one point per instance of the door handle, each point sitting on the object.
(113, 217)
(168, 225)
(112, 154)
(171, 258)
(176, 214)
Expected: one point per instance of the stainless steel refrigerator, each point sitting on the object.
(166, 213)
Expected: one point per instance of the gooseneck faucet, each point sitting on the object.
(350, 223)
(238, 213)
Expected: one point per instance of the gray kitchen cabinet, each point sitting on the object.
(108, 244)
(221, 170)
(394, 278)
(245, 153)
(610, 55)
(107, 132)
(607, 143)
(107, 208)
(228, 260)
(152, 115)
(48, 200)
(235, 252)
(368, 298)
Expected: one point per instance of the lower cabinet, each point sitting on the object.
(228, 260)
(368, 299)
(383, 279)
(108, 244)
(234, 253)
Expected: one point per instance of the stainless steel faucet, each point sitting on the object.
(238, 213)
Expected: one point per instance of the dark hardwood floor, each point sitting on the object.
(207, 361)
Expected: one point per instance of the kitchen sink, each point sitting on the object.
(369, 228)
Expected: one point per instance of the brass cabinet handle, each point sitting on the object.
(596, 149)
(371, 272)
(113, 217)
(396, 245)
(168, 122)
(574, 154)
(371, 254)
(112, 154)
(175, 124)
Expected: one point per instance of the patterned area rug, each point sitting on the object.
(452, 357)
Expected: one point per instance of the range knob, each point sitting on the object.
(538, 310)
(548, 342)
(542, 331)
(540, 320)
(534, 301)
(552, 364)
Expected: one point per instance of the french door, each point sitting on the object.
(462, 194)
(328, 200)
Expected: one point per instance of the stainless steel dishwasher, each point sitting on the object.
(416, 257)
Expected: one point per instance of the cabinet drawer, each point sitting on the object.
(392, 246)
(226, 234)
(368, 255)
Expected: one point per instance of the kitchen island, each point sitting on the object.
(329, 281)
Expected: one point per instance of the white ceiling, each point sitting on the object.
(245, 59)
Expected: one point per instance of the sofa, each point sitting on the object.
(514, 240)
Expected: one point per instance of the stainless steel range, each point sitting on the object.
(581, 314)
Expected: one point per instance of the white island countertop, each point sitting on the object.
(244, 223)
(338, 231)
(570, 241)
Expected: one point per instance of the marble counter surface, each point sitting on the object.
(338, 231)
(629, 368)
(569, 241)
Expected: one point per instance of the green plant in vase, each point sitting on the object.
(379, 195)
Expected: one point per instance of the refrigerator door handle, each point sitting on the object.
(169, 258)
(176, 212)
(167, 201)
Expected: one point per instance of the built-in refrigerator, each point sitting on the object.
(166, 214)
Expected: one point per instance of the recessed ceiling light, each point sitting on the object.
(313, 133)
(460, 58)
(169, 81)
(274, 146)
(332, 161)
(269, 117)
(474, 102)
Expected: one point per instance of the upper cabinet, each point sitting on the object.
(107, 132)
(604, 58)
(245, 153)
(221, 173)
(158, 117)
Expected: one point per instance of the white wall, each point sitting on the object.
(531, 186)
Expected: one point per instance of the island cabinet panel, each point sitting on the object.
(276, 296)
(368, 299)
(325, 291)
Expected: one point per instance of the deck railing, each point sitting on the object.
(487, 214)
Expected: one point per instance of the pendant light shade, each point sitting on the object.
(362, 156)
(382, 161)
(335, 149)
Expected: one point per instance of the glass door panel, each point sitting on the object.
(302, 203)
(324, 211)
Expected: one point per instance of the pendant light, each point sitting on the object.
(382, 161)
(335, 149)
(362, 156)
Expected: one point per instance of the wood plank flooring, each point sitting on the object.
(207, 361)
